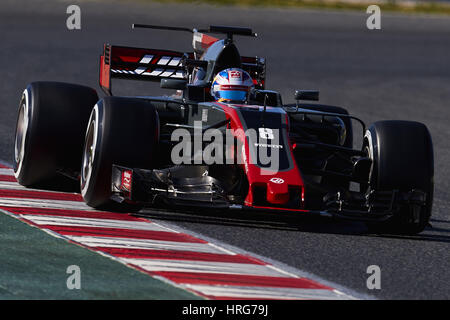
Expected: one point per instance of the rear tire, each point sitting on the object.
(50, 128)
(121, 131)
(402, 155)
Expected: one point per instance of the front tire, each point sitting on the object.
(120, 131)
(402, 156)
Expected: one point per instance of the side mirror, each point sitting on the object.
(177, 84)
(272, 98)
(311, 95)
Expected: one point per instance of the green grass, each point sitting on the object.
(33, 265)
(391, 6)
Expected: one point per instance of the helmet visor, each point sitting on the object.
(235, 95)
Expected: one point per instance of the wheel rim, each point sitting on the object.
(21, 131)
(367, 148)
(89, 151)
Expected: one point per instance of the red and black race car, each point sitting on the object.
(189, 150)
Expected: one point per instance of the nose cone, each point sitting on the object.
(277, 191)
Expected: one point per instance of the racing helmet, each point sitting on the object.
(231, 85)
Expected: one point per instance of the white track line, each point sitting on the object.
(11, 185)
(130, 243)
(6, 172)
(165, 265)
(41, 203)
(266, 292)
(90, 222)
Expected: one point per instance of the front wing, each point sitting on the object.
(154, 188)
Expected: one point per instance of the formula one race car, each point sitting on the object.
(220, 141)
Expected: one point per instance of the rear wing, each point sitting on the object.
(154, 65)
(140, 64)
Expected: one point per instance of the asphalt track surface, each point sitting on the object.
(399, 72)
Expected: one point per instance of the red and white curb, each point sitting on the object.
(196, 265)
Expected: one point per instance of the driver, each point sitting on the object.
(232, 86)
